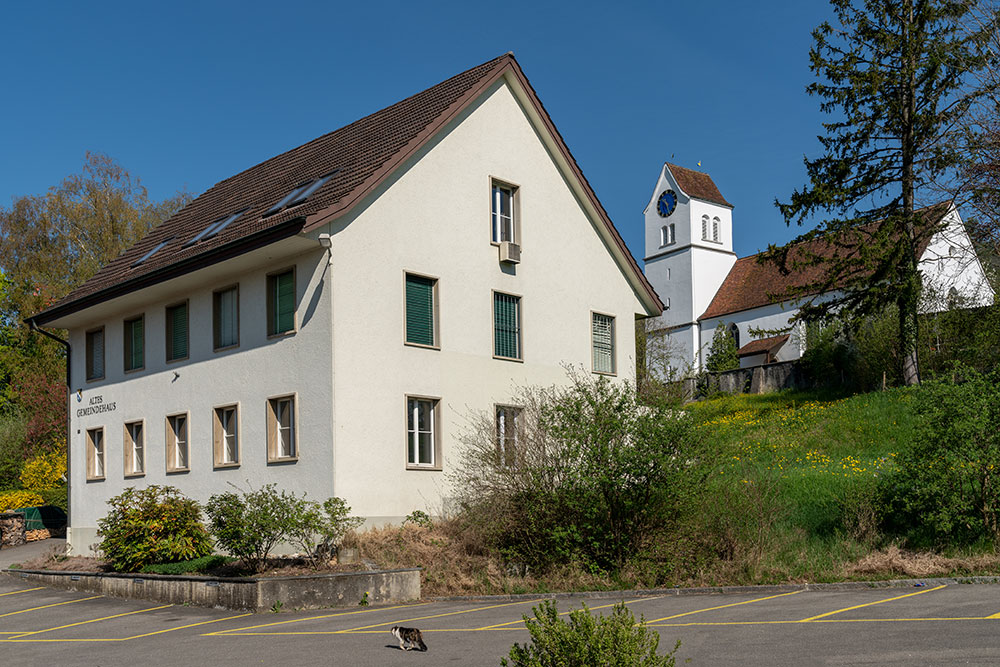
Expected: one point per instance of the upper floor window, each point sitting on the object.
(95, 354)
(226, 317)
(667, 235)
(704, 228)
(177, 331)
(503, 213)
(421, 310)
(281, 302)
(134, 340)
(715, 229)
(506, 326)
(603, 337)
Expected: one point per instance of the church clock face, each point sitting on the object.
(667, 202)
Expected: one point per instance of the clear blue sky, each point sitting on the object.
(184, 94)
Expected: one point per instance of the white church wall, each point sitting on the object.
(950, 263)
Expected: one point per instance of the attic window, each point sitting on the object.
(152, 252)
(214, 228)
(302, 192)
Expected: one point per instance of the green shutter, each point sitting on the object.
(134, 343)
(284, 302)
(177, 332)
(419, 310)
(506, 333)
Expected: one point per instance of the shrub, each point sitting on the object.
(197, 565)
(56, 498)
(45, 471)
(249, 524)
(586, 640)
(13, 429)
(152, 525)
(592, 475)
(947, 485)
(722, 351)
(318, 529)
(12, 500)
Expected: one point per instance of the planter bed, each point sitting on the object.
(345, 589)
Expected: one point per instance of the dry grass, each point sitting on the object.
(454, 562)
(894, 561)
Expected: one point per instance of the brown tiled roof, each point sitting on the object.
(697, 184)
(364, 153)
(761, 345)
(752, 283)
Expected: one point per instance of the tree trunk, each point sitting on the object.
(910, 278)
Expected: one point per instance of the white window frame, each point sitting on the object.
(221, 437)
(704, 228)
(412, 434)
(96, 454)
(135, 449)
(176, 444)
(282, 439)
(716, 223)
(668, 235)
(594, 315)
(497, 189)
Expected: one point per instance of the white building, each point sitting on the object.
(690, 261)
(328, 319)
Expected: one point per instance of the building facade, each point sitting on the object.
(376, 288)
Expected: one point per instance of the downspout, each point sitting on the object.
(69, 397)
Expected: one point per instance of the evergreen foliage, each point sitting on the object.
(722, 352)
(892, 73)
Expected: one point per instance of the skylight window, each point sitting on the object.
(152, 252)
(214, 228)
(302, 192)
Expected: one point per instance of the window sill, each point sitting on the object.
(712, 241)
(133, 475)
(515, 359)
(134, 370)
(177, 471)
(283, 334)
(95, 479)
(173, 361)
(417, 466)
(97, 379)
(227, 347)
(426, 347)
(283, 459)
(611, 374)
(224, 466)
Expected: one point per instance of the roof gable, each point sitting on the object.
(360, 156)
(753, 283)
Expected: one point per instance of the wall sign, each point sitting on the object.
(97, 406)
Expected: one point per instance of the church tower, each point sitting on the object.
(689, 252)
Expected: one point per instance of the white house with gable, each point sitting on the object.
(690, 261)
(328, 320)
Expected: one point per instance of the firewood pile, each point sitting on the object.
(36, 535)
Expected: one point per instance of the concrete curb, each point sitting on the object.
(341, 589)
(728, 590)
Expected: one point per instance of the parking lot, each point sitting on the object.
(954, 624)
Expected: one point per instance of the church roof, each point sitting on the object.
(762, 345)
(697, 184)
(753, 283)
(357, 158)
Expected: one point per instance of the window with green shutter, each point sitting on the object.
(177, 332)
(603, 335)
(506, 326)
(420, 310)
(134, 344)
(281, 302)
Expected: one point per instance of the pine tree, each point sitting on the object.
(893, 74)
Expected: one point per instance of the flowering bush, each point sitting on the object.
(45, 471)
(12, 500)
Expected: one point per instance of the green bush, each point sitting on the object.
(585, 640)
(56, 498)
(13, 431)
(249, 524)
(946, 488)
(591, 475)
(319, 528)
(152, 525)
(197, 565)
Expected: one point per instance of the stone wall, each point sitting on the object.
(756, 380)
(12, 531)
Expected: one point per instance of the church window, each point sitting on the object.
(715, 229)
(704, 228)
(667, 236)
(734, 331)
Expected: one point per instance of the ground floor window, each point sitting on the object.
(508, 421)
(135, 449)
(421, 432)
(281, 425)
(177, 443)
(95, 453)
(226, 436)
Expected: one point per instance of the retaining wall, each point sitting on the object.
(242, 593)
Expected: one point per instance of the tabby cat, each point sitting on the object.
(408, 638)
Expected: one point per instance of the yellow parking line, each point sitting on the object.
(192, 625)
(724, 606)
(564, 613)
(869, 604)
(93, 620)
(46, 606)
(312, 618)
(26, 590)
(450, 613)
